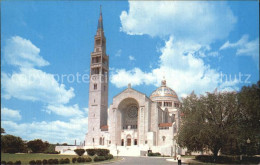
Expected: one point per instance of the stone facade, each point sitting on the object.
(134, 123)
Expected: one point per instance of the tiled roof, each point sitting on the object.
(165, 124)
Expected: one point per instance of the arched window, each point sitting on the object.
(163, 138)
(100, 141)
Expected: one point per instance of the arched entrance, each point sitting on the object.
(128, 140)
(129, 113)
(128, 121)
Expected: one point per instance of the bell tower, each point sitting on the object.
(98, 86)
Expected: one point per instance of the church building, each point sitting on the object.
(134, 123)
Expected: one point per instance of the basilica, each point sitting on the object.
(134, 123)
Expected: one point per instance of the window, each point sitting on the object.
(122, 142)
(104, 88)
(135, 142)
(95, 86)
(93, 140)
(164, 138)
(167, 104)
(146, 142)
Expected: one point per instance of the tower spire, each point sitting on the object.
(100, 20)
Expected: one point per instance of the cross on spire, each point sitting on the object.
(100, 20)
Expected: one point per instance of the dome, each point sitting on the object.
(164, 93)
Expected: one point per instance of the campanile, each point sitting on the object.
(98, 86)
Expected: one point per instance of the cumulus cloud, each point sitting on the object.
(131, 58)
(200, 21)
(244, 47)
(35, 85)
(67, 111)
(54, 131)
(183, 71)
(191, 28)
(21, 52)
(10, 114)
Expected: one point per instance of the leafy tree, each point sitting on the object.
(2, 130)
(209, 120)
(37, 145)
(249, 124)
(79, 152)
(12, 144)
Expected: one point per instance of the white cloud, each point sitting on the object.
(131, 58)
(10, 114)
(21, 52)
(67, 111)
(244, 47)
(200, 21)
(54, 131)
(35, 85)
(183, 71)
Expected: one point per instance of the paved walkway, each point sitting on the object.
(145, 160)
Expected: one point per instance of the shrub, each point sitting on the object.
(61, 161)
(18, 162)
(38, 162)
(52, 152)
(79, 152)
(9, 163)
(3, 162)
(74, 160)
(79, 159)
(50, 161)
(102, 152)
(88, 159)
(32, 162)
(67, 160)
(11, 150)
(154, 154)
(91, 152)
(55, 161)
(110, 156)
(219, 159)
(44, 162)
(99, 158)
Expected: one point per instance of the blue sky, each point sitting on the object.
(196, 46)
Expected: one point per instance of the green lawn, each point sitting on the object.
(25, 158)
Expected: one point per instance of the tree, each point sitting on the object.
(209, 121)
(249, 107)
(2, 130)
(37, 145)
(79, 152)
(12, 144)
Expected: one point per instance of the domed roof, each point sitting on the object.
(164, 93)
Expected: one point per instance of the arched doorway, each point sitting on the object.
(128, 140)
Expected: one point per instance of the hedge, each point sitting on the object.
(79, 152)
(99, 158)
(154, 154)
(9, 163)
(227, 159)
(91, 152)
(18, 162)
(3, 162)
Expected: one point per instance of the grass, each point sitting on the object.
(25, 158)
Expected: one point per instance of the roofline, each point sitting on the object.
(134, 90)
